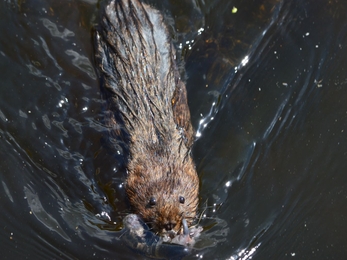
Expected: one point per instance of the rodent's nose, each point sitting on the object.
(169, 226)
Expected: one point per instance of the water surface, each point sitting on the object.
(267, 92)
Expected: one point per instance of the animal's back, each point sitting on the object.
(140, 72)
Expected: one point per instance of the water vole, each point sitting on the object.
(148, 100)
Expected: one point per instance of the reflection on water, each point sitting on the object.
(266, 85)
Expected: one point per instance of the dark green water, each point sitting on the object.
(267, 90)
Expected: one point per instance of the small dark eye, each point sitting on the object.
(182, 200)
(152, 201)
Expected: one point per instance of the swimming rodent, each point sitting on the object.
(148, 104)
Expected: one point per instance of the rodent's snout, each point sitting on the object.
(170, 226)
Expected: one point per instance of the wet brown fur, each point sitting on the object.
(148, 102)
